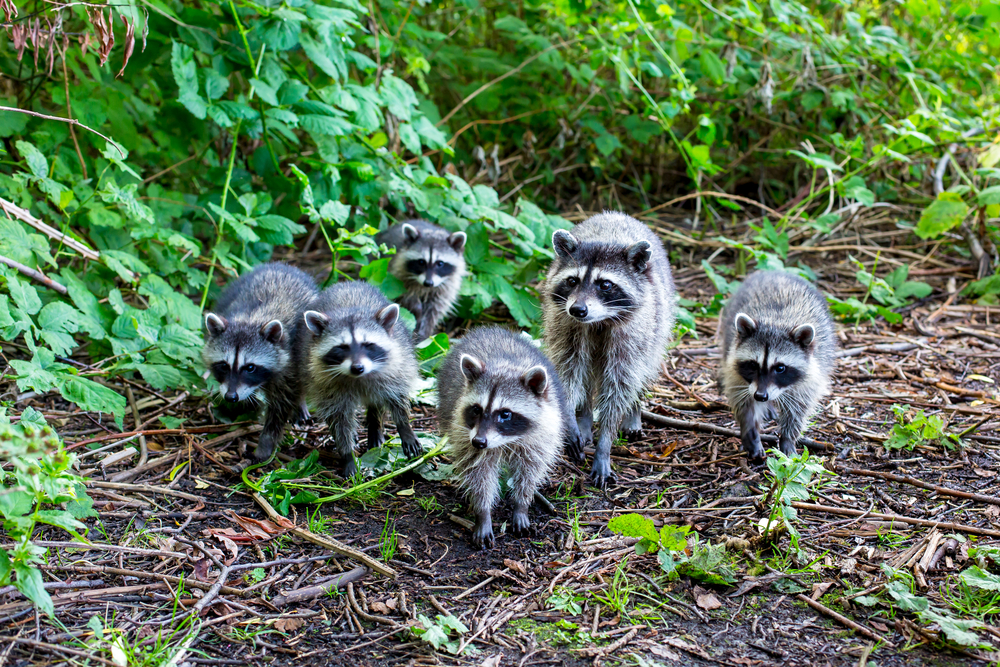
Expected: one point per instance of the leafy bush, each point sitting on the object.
(31, 492)
(913, 428)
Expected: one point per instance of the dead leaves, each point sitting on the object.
(255, 530)
(706, 599)
(288, 624)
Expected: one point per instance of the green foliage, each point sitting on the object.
(913, 428)
(566, 600)
(389, 541)
(445, 632)
(892, 291)
(679, 551)
(944, 214)
(32, 489)
(790, 479)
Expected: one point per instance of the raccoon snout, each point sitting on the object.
(479, 442)
(357, 369)
(578, 310)
(428, 282)
(760, 395)
(232, 396)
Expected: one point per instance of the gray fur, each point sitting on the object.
(256, 322)
(614, 350)
(351, 314)
(498, 370)
(423, 240)
(779, 321)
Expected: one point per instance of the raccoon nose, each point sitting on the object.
(232, 396)
(760, 395)
(357, 369)
(578, 310)
(428, 282)
(479, 442)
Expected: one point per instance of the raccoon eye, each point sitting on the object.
(476, 410)
(367, 345)
(505, 415)
(421, 263)
(439, 264)
(250, 368)
(779, 369)
(572, 282)
(604, 285)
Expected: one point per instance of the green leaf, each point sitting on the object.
(634, 525)
(712, 66)
(318, 55)
(160, 376)
(945, 213)
(92, 397)
(186, 76)
(906, 600)
(216, 85)
(29, 581)
(989, 196)
(818, 160)
(978, 578)
(37, 163)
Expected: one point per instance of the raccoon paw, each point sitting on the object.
(574, 451)
(412, 448)
(265, 447)
(601, 474)
(350, 468)
(482, 536)
(632, 434)
(521, 524)
(302, 416)
(787, 447)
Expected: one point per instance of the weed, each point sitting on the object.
(970, 600)
(790, 479)
(390, 540)
(913, 428)
(619, 590)
(255, 576)
(566, 600)
(430, 504)
(445, 632)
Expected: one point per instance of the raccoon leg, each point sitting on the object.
(275, 417)
(400, 412)
(373, 419)
(343, 428)
(632, 424)
(303, 413)
(585, 424)
(791, 425)
(749, 435)
(600, 471)
(483, 483)
(524, 481)
(573, 441)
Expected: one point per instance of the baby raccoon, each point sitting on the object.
(430, 263)
(250, 345)
(501, 404)
(608, 307)
(359, 354)
(778, 349)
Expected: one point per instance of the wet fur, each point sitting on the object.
(613, 360)
(269, 292)
(779, 305)
(538, 424)
(428, 303)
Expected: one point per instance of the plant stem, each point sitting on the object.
(222, 222)
(384, 478)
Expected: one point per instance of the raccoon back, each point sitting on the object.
(272, 291)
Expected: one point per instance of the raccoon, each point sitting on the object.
(251, 345)
(608, 307)
(779, 348)
(430, 263)
(358, 353)
(501, 404)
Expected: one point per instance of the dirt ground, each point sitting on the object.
(573, 593)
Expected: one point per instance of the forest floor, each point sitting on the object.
(875, 548)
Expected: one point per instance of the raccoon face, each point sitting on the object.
(353, 348)
(769, 360)
(499, 411)
(242, 356)
(429, 261)
(597, 282)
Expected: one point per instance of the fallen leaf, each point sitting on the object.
(259, 529)
(689, 647)
(380, 607)
(664, 652)
(405, 492)
(879, 626)
(992, 511)
(746, 661)
(981, 378)
(514, 565)
(290, 624)
(492, 661)
(230, 533)
(231, 545)
(706, 599)
(984, 473)
(392, 603)
(201, 569)
(819, 590)
(847, 566)
(200, 483)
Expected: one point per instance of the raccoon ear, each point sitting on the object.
(536, 379)
(388, 316)
(457, 241)
(315, 321)
(564, 243)
(472, 368)
(803, 335)
(410, 232)
(639, 254)
(745, 326)
(272, 331)
(215, 324)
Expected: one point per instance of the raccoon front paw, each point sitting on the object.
(632, 435)
(302, 416)
(574, 450)
(350, 468)
(787, 446)
(601, 474)
(412, 448)
(521, 525)
(265, 447)
(753, 448)
(482, 536)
